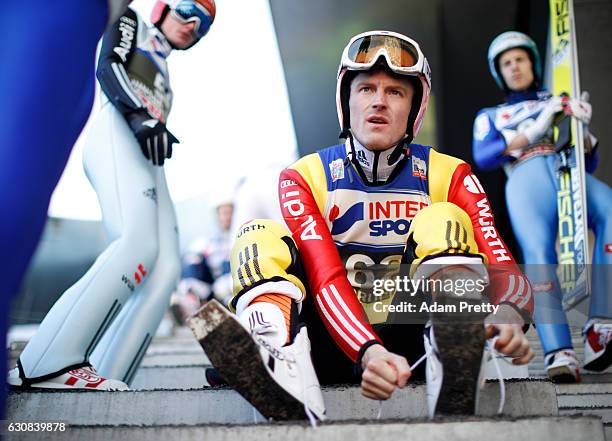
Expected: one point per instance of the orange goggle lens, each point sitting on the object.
(366, 50)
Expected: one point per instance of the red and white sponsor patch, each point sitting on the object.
(608, 247)
(71, 381)
(336, 169)
(419, 168)
(87, 375)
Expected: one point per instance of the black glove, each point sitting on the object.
(154, 138)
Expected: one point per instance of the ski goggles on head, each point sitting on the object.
(402, 54)
(188, 11)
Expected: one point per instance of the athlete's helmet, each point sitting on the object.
(202, 12)
(511, 40)
(402, 56)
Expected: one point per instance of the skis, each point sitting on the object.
(569, 134)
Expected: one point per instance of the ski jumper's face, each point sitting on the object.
(181, 35)
(379, 106)
(224, 216)
(516, 69)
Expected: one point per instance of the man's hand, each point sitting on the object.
(580, 108)
(544, 121)
(383, 371)
(154, 138)
(507, 324)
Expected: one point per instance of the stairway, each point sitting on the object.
(169, 401)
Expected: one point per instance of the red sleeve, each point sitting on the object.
(508, 283)
(334, 296)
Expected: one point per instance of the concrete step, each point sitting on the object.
(159, 373)
(174, 348)
(605, 414)
(176, 359)
(224, 406)
(557, 429)
(170, 377)
(186, 371)
(585, 401)
(584, 388)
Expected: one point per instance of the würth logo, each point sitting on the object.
(151, 193)
(139, 276)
